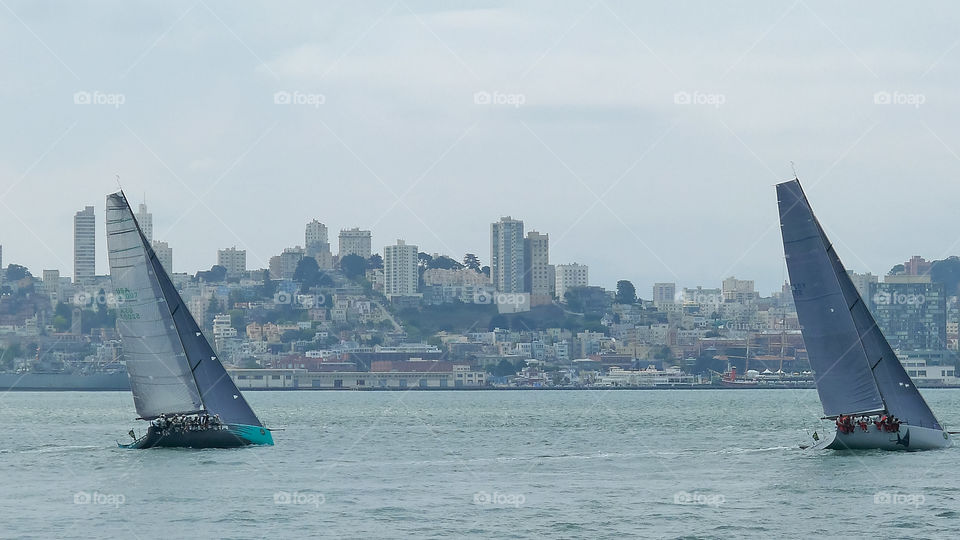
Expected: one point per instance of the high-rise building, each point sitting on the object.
(506, 255)
(234, 260)
(536, 268)
(917, 266)
(315, 234)
(355, 242)
(145, 220)
(284, 265)
(569, 276)
(862, 282)
(84, 246)
(912, 314)
(164, 255)
(738, 290)
(664, 293)
(317, 244)
(50, 285)
(2, 271)
(400, 270)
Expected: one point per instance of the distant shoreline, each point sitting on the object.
(484, 389)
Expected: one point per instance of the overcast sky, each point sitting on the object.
(645, 138)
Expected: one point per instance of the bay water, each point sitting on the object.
(482, 464)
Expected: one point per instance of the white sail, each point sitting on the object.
(160, 374)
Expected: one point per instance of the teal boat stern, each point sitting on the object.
(253, 434)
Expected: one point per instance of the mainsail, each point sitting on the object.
(172, 367)
(856, 369)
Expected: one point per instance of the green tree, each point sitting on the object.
(472, 262)
(307, 272)
(216, 274)
(626, 292)
(947, 272)
(353, 266)
(268, 287)
(238, 320)
(15, 272)
(423, 260)
(444, 262)
(503, 369)
(898, 269)
(498, 321)
(61, 323)
(375, 261)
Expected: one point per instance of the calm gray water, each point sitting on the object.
(522, 464)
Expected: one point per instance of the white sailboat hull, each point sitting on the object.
(909, 438)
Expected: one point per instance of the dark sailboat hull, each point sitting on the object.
(909, 439)
(231, 436)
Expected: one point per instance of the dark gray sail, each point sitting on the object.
(198, 370)
(856, 369)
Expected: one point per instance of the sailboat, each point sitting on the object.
(177, 380)
(857, 373)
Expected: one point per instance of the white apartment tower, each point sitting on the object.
(664, 293)
(145, 219)
(355, 242)
(164, 255)
(400, 275)
(234, 260)
(84, 246)
(570, 276)
(536, 268)
(318, 245)
(506, 255)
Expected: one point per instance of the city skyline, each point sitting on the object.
(916, 264)
(638, 155)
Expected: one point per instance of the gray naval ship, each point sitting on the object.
(103, 380)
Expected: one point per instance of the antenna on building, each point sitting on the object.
(118, 182)
(793, 166)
